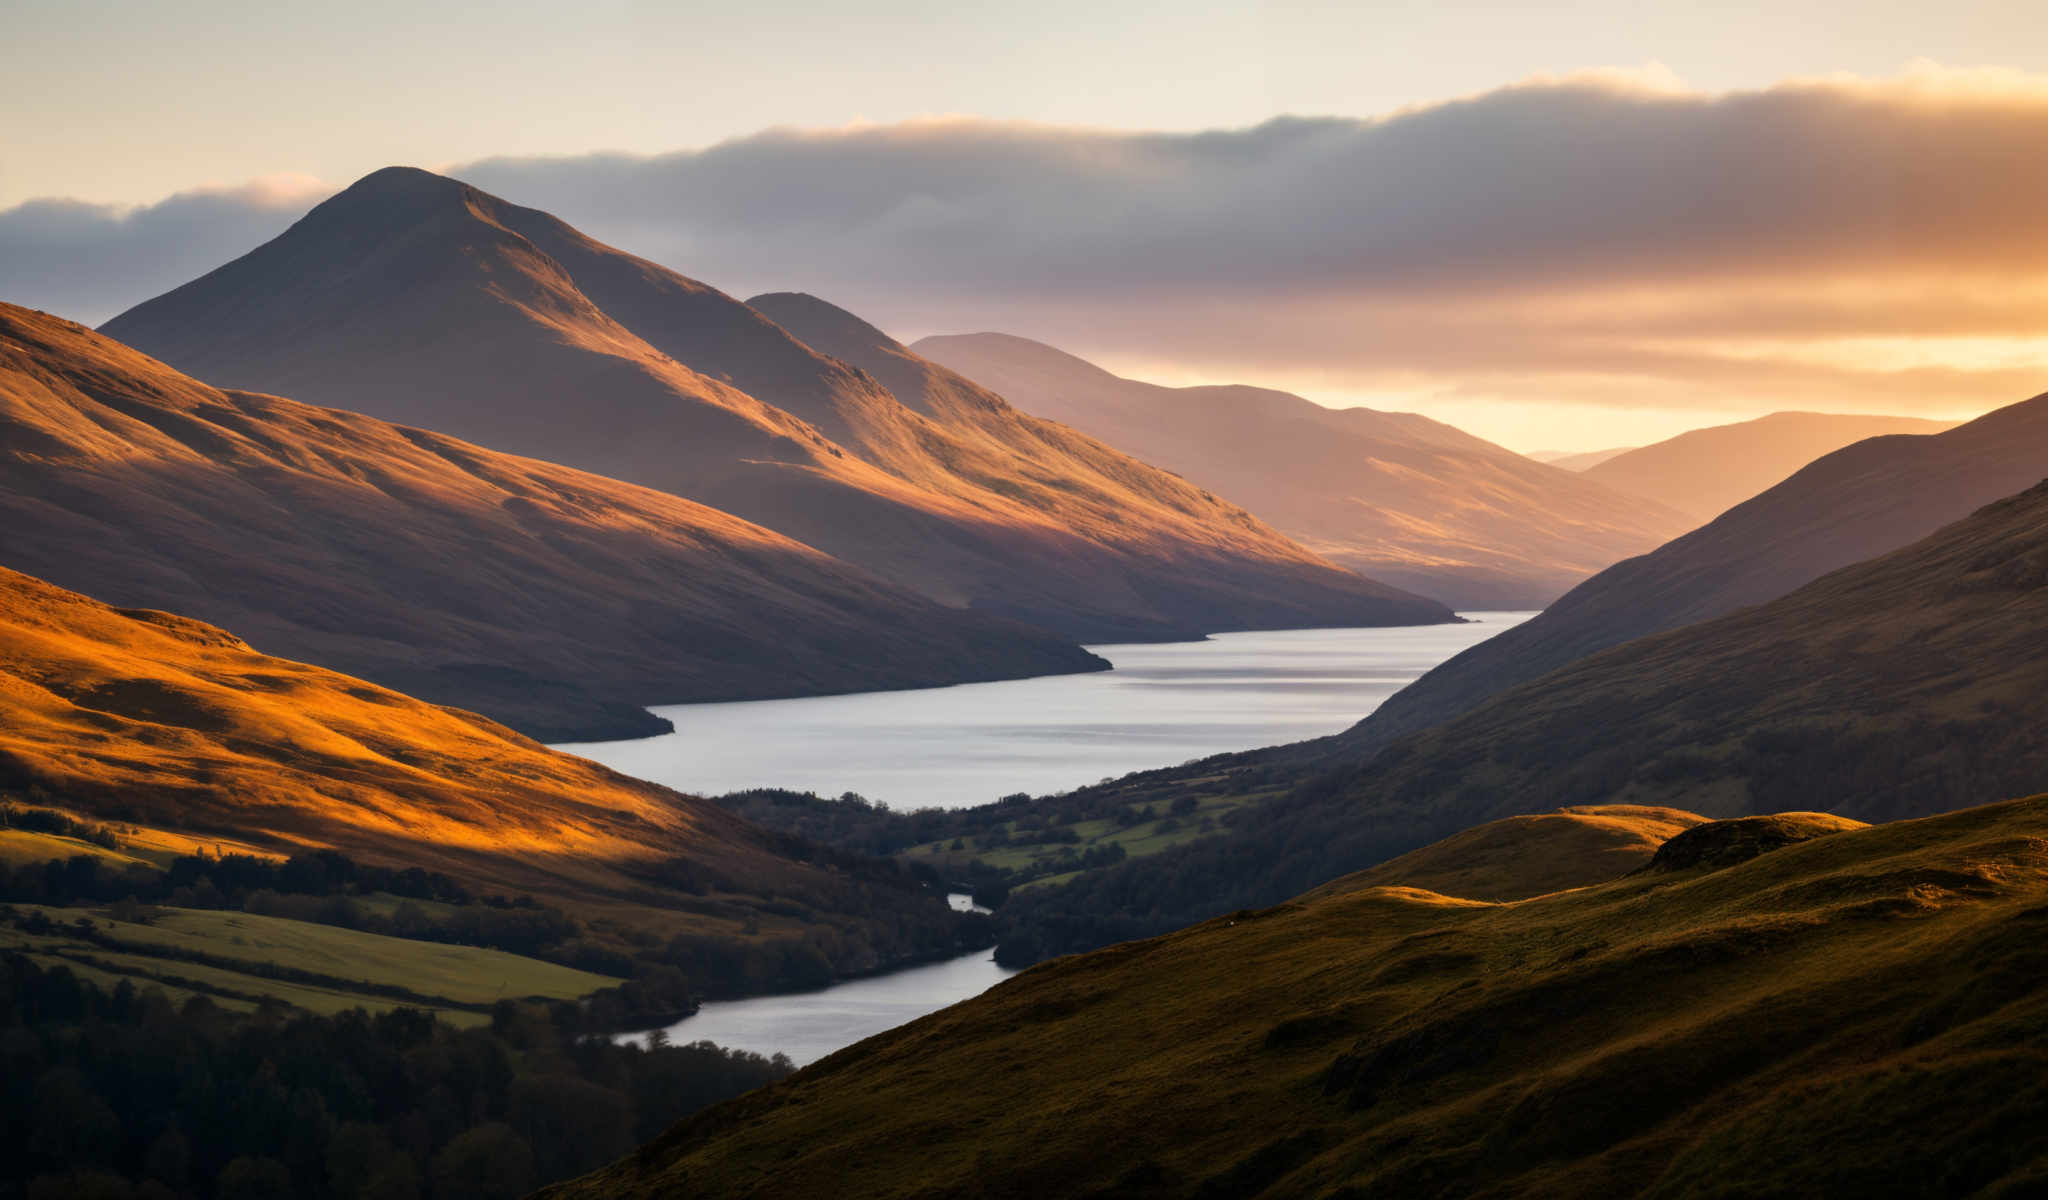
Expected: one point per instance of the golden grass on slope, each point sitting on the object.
(181, 728)
(1857, 1014)
(1519, 857)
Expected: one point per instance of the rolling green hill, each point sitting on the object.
(1806, 1009)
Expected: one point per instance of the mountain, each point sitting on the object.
(1800, 1009)
(1705, 472)
(1898, 687)
(154, 720)
(1857, 503)
(415, 298)
(1578, 460)
(1394, 496)
(548, 598)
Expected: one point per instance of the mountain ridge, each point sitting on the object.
(419, 299)
(1394, 496)
(556, 600)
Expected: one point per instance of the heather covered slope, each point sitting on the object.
(415, 298)
(1753, 1026)
(554, 600)
(1857, 503)
(1395, 496)
(1898, 687)
(1705, 472)
(161, 721)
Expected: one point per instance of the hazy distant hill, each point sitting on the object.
(1854, 504)
(417, 298)
(1779, 1007)
(1395, 496)
(1578, 460)
(159, 721)
(1705, 472)
(553, 600)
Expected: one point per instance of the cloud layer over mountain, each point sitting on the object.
(1595, 241)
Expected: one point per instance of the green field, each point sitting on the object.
(458, 981)
(1139, 840)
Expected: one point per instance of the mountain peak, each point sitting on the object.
(823, 325)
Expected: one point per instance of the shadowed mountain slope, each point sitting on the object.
(1766, 1028)
(1705, 472)
(1857, 503)
(1898, 687)
(158, 720)
(1395, 496)
(553, 600)
(416, 298)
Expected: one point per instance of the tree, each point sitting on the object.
(254, 1179)
(487, 1162)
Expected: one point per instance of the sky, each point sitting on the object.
(1561, 226)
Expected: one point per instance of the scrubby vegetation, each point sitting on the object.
(121, 1094)
(1859, 1013)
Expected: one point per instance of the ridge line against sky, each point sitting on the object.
(1573, 260)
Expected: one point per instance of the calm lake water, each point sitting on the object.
(1163, 704)
(970, 744)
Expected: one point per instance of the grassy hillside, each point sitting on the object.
(235, 958)
(157, 721)
(554, 600)
(1772, 1026)
(1395, 496)
(416, 298)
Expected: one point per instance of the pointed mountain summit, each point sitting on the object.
(1395, 496)
(556, 601)
(419, 299)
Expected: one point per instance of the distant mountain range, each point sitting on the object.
(1854, 504)
(418, 299)
(1577, 460)
(1395, 496)
(1705, 472)
(554, 600)
(1780, 1006)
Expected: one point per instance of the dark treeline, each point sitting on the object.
(122, 1095)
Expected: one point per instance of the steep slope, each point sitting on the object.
(556, 601)
(161, 721)
(416, 298)
(1705, 472)
(1897, 687)
(1394, 496)
(1859, 1013)
(1857, 503)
